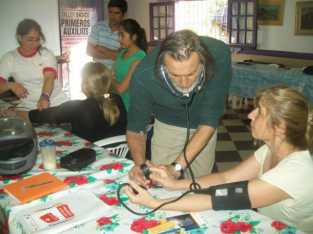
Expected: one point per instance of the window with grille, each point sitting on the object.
(162, 20)
(232, 21)
(242, 23)
(205, 17)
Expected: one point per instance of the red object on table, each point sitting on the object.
(111, 201)
(142, 224)
(104, 220)
(114, 166)
(278, 225)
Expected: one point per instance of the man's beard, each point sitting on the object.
(186, 91)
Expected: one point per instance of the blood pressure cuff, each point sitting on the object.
(231, 196)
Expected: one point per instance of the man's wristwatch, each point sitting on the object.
(178, 168)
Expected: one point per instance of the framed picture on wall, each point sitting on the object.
(304, 18)
(270, 12)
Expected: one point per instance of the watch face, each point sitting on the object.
(178, 167)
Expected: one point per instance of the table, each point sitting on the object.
(102, 179)
(248, 79)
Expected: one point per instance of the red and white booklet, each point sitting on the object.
(61, 214)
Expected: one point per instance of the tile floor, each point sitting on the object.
(234, 140)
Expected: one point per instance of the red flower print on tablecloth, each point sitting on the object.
(1, 190)
(10, 177)
(230, 227)
(5, 227)
(112, 166)
(63, 143)
(142, 224)
(108, 181)
(278, 225)
(108, 224)
(111, 201)
(244, 227)
(104, 220)
(45, 134)
(68, 134)
(79, 180)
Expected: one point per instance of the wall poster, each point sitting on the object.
(76, 18)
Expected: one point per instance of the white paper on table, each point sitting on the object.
(61, 214)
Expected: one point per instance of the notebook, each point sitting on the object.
(62, 214)
(34, 187)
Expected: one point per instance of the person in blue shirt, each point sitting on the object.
(103, 43)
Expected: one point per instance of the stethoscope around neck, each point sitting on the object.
(185, 97)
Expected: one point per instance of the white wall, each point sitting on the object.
(45, 12)
(283, 37)
(139, 10)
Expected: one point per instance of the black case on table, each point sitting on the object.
(78, 159)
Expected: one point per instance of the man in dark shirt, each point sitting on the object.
(187, 73)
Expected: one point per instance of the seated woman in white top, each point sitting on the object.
(276, 179)
(34, 69)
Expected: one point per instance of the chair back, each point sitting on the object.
(117, 145)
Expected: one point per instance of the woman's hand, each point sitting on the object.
(139, 195)
(18, 89)
(163, 176)
(136, 175)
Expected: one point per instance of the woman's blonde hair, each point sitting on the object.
(98, 83)
(288, 105)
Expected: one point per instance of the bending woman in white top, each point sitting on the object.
(276, 179)
(33, 68)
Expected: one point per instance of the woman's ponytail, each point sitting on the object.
(111, 111)
(142, 40)
(98, 84)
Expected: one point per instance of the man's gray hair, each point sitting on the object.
(180, 45)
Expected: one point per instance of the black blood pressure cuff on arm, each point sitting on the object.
(231, 196)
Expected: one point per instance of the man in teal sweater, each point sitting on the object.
(187, 74)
